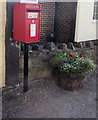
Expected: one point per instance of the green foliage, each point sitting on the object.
(55, 60)
(71, 62)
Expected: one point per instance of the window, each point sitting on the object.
(95, 13)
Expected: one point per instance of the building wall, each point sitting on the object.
(58, 18)
(2, 42)
(47, 20)
(85, 26)
(65, 17)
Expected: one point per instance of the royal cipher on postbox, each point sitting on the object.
(26, 22)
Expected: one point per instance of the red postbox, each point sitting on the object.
(26, 22)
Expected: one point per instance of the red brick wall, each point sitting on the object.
(61, 17)
(65, 21)
(47, 20)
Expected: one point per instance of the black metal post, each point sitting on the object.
(25, 87)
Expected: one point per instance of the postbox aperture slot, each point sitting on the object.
(33, 10)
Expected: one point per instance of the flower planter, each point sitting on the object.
(69, 81)
(70, 69)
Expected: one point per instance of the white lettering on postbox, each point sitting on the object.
(32, 15)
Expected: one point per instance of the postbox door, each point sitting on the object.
(33, 30)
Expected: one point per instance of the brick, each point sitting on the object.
(65, 20)
(47, 20)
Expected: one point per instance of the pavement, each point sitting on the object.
(47, 100)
